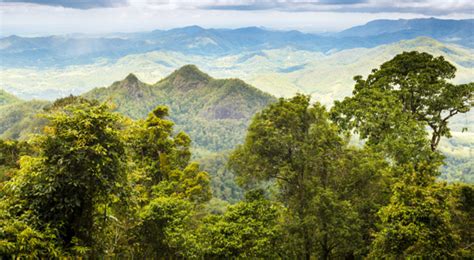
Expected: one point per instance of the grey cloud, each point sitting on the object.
(426, 7)
(77, 4)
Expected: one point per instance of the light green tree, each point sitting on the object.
(78, 170)
(413, 84)
(168, 189)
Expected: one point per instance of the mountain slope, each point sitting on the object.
(214, 112)
(7, 98)
(19, 120)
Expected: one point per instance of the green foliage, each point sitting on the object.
(167, 188)
(412, 85)
(248, 229)
(162, 232)
(462, 211)
(296, 145)
(215, 113)
(78, 168)
(10, 152)
(417, 222)
(20, 240)
(7, 98)
(162, 160)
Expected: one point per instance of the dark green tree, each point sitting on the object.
(391, 109)
(461, 202)
(294, 144)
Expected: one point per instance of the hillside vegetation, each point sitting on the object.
(7, 98)
(98, 184)
(20, 119)
(214, 112)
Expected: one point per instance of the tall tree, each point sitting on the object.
(168, 188)
(294, 144)
(391, 109)
(411, 83)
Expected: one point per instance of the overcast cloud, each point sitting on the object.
(42, 17)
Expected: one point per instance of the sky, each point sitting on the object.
(47, 17)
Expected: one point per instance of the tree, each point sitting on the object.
(167, 188)
(417, 221)
(461, 202)
(413, 84)
(10, 152)
(78, 168)
(163, 229)
(248, 229)
(391, 109)
(297, 146)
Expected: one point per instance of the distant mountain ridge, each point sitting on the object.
(58, 51)
(430, 27)
(385, 31)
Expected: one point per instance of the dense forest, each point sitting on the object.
(97, 183)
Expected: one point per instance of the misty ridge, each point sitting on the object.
(57, 51)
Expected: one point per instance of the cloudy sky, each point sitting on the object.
(43, 17)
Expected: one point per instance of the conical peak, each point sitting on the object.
(190, 72)
(131, 78)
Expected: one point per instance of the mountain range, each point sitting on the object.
(60, 51)
(214, 112)
(280, 72)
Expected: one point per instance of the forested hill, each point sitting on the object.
(214, 112)
(7, 98)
